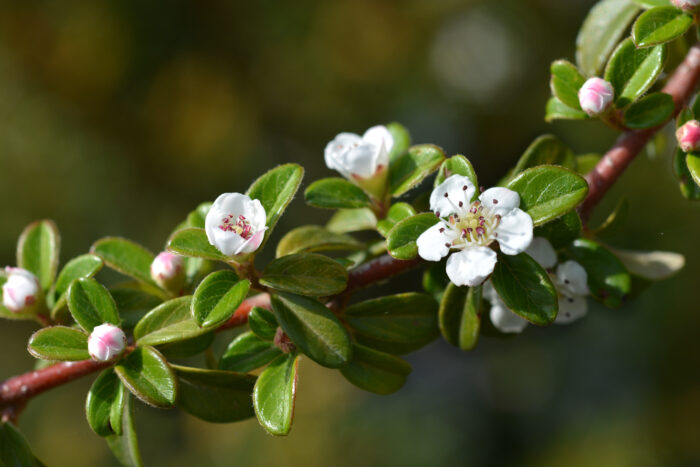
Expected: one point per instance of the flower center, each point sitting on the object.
(474, 223)
(241, 226)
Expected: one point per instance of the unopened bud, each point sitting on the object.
(106, 342)
(690, 6)
(22, 292)
(283, 342)
(688, 136)
(168, 270)
(595, 96)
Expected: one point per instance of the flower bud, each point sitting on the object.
(106, 342)
(168, 270)
(236, 224)
(688, 136)
(690, 6)
(22, 292)
(595, 96)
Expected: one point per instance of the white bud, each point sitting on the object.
(595, 96)
(168, 270)
(690, 6)
(106, 342)
(235, 224)
(22, 292)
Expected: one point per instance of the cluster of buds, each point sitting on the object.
(106, 342)
(596, 96)
(689, 6)
(22, 292)
(688, 136)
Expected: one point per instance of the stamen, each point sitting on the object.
(495, 201)
(442, 229)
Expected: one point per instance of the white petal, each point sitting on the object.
(335, 149)
(252, 244)
(471, 266)
(433, 243)
(227, 242)
(505, 320)
(514, 232)
(500, 200)
(380, 136)
(489, 293)
(542, 251)
(572, 278)
(257, 216)
(458, 188)
(571, 308)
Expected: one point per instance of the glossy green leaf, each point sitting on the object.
(547, 192)
(147, 376)
(116, 411)
(632, 71)
(313, 329)
(460, 315)
(525, 288)
(14, 449)
(217, 298)
(59, 343)
(650, 111)
(263, 323)
(105, 393)
(188, 347)
(198, 217)
(651, 3)
(336, 193)
(133, 302)
(413, 167)
(125, 447)
(248, 352)
(659, 25)
(565, 82)
(275, 393)
(689, 189)
(315, 238)
(125, 256)
(77, 268)
(401, 239)
(91, 304)
(215, 396)
(305, 274)
(456, 165)
(602, 29)
(402, 140)
(693, 161)
(38, 249)
(547, 149)
(562, 231)
(352, 220)
(557, 110)
(171, 321)
(397, 323)
(377, 372)
(608, 279)
(435, 280)
(396, 213)
(193, 242)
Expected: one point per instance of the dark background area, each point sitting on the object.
(119, 117)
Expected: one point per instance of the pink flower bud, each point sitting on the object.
(595, 96)
(106, 342)
(22, 292)
(168, 270)
(690, 6)
(688, 136)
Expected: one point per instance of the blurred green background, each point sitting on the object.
(119, 117)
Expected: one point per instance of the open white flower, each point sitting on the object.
(472, 227)
(235, 224)
(362, 159)
(22, 292)
(570, 280)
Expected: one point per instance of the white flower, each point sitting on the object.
(168, 270)
(21, 292)
(471, 227)
(106, 342)
(689, 6)
(595, 96)
(570, 280)
(235, 224)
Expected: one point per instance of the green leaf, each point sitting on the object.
(263, 323)
(650, 111)
(14, 449)
(651, 3)
(147, 375)
(105, 393)
(557, 110)
(315, 238)
(215, 396)
(632, 71)
(188, 347)
(456, 165)
(693, 162)
(608, 278)
(525, 288)
(352, 220)
(77, 268)
(565, 83)
(602, 29)
(248, 352)
(125, 447)
(403, 322)
(133, 302)
(116, 411)
(274, 394)
(689, 189)
(614, 220)
(37, 251)
(275, 190)
(547, 192)
(194, 243)
(217, 297)
(377, 372)
(401, 239)
(402, 140)
(305, 274)
(586, 162)
(435, 280)
(547, 149)
(659, 25)
(313, 329)
(562, 231)
(460, 315)
(413, 166)
(198, 217)
(59, 343)
(172, 321)
(336, 193)
(125, 256)
(396, 213)
(91, 304)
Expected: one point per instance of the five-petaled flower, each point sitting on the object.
(362, 159)
(22, 292)
(106, 342)
(569, 278)
(472, 227)
(235, 224)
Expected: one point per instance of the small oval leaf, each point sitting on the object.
(305, 274)
(193, 242)
(401, 239)
(147, 376)
(125, 256)
(37, 251)
(336, 193)
(217, 298)
(248, 352)
(309, 238)
(59, 343)
(169, 322)
(413, 167)
(275, 393)
(650, 111)
(377, 372)
(659, 25)
(91, 304)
